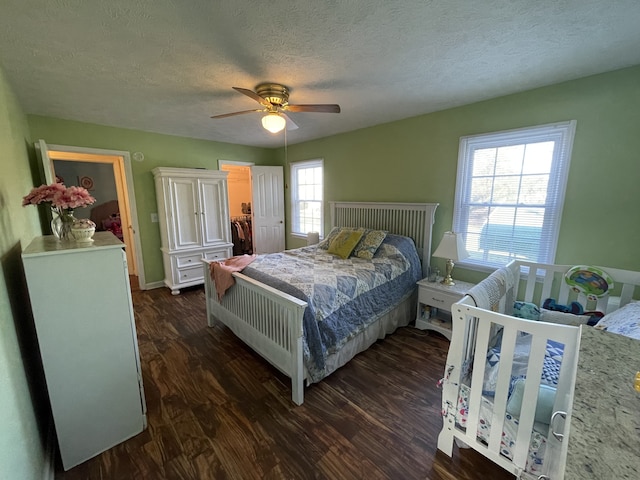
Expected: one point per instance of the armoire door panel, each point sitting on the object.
(211, 197)
(186, 231)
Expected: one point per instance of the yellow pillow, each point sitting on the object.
(345, 242)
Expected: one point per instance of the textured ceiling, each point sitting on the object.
(167, 65)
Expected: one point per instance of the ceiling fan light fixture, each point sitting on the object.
(274, 122)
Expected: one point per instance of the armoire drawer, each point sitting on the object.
(216, 255)
(189, 274)
(188, 260)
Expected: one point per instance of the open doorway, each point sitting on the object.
(110, 172)
(256, 200)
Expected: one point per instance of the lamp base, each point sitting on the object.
(447, 276)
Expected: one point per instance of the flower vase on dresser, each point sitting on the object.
(63, 200)
(62, 222)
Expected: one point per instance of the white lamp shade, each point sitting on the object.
(451, 247)
(273, 122)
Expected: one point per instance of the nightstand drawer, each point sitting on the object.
(438, 299)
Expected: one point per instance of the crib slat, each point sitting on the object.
(502, 386)
(530, 399)
(482, 343)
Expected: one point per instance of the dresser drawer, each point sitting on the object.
(188, 260)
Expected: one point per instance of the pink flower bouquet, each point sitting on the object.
(61, 198)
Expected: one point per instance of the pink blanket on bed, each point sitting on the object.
(221, 272)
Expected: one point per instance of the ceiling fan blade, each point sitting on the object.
(291, 125)
(253, 95)
(314, 108)
(225, 115)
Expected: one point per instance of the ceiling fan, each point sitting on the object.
(275, 100)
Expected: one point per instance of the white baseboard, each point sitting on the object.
(152, 285)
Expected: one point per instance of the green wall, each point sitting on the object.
(159, 151)
(415, 160)
(22, 399)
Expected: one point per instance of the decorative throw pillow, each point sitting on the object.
(544, 405)
(344, 243)
(324, 244)
(369, 244)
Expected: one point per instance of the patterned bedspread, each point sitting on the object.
(344, 296)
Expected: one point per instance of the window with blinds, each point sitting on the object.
(307, 197)
(510, 191)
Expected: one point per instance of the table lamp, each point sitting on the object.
(451, 248)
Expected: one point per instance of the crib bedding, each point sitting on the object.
(538, 441)
(550, 367)
(344, 296)
(550, 375)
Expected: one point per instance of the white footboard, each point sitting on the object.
(267, 320)
(472, 329)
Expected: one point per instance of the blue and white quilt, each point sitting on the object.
(550, 368)
(343, 296)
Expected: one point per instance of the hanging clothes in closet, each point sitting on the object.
(242, 235)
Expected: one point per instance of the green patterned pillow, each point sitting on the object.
(369, 244)
(345, 242)
(324, 244)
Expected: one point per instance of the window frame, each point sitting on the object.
(295, 199)
(562, 133)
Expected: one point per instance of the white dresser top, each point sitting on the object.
(49, 244)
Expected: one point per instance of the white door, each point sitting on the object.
(123, 177)
(267, 185)
(185, 214)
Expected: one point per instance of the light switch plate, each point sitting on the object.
(154, 218)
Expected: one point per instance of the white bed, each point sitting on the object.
(271, 322)
(480, 396)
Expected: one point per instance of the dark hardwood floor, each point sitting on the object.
(217, 411)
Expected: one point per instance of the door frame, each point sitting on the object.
(123, 175)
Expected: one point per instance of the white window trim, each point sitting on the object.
(563, 132)
(317, 162)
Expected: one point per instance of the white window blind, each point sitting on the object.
(307, 197)
(510, 192)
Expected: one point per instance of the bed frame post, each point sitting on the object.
(297, 369)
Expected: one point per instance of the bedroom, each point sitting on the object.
(420, 151)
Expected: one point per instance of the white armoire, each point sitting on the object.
(193, 212)
(83, 314)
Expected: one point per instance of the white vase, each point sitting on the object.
(82, 230)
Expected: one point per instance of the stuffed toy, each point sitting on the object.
(573, 307)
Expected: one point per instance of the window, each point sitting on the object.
(510, 192)
(306, 197)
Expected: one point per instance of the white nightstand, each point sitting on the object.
(434, 304)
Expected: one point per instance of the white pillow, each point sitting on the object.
(624, 321)
(551, 316)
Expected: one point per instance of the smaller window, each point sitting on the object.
(307, 197)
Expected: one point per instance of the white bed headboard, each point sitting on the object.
(414, 220)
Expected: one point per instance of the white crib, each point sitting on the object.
(476, 321)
